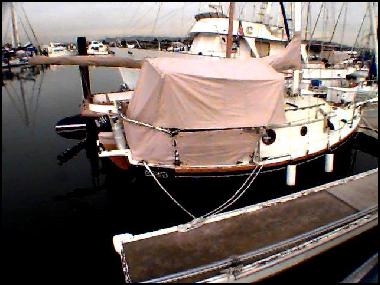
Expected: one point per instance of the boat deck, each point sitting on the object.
(230, 236)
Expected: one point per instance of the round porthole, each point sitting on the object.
(303, 131)
(269, 137)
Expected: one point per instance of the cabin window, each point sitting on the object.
(269, 137)
(303, 131)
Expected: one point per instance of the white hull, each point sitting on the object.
(326, 73)
(210, 36)
(326, 126)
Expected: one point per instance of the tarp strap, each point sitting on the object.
(167, 193)
(174, 131)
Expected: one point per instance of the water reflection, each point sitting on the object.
(89, 146)
(24, 102)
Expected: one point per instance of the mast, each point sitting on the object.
(230, 30)
(374, 34)
(297, 33)
(15, 39)
(307, 19)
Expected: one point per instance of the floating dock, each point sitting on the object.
(255, 242)
(258, 241)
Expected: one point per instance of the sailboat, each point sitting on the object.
(186, 120)
(16, 54)
(219, 126)
(329, 73)
(17, 84)
(250, 39)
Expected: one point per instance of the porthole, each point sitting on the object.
(269, 137)
(303, 131)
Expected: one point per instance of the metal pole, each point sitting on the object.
(297, 33)
(85, 76)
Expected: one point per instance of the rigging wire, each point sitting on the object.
(25, 30)
(134, 13)
(315, 26)
(137, 22)
(30, 26)
(337, 21)
(13, 101)
(38, 97)
(344, 26)
(360, 28)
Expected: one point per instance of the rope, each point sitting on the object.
(228, 203)
(167, 193)
(220, 208)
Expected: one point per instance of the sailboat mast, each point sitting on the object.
(297, 33)
(374, 34)
(15, 39)
(307, 19)
(230, 30)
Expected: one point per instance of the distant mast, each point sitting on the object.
(374, 29)
(230, 29)
(15, 39)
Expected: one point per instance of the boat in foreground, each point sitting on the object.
(188, 120)
(191, 116)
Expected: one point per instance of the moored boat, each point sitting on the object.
(98, 48)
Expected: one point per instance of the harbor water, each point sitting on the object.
(59, 216)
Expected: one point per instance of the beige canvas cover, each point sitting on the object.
(204, 95)
(289, 58)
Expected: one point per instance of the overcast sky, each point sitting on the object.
(65, 21)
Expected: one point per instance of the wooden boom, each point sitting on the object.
(84, 60)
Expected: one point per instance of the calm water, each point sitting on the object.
(59, 219)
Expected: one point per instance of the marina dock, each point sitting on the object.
(258, 241)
